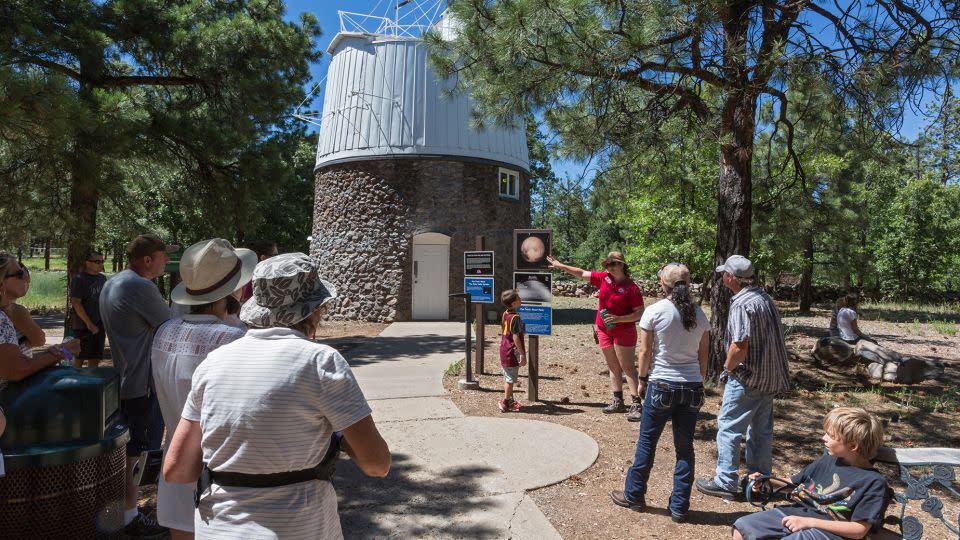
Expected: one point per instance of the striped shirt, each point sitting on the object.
(754, 318)
(267, 403)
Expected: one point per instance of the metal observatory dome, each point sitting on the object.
(405, 183)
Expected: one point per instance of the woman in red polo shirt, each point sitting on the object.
(616, 327)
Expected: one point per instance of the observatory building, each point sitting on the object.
(404, 183)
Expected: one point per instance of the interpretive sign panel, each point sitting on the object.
(478, 263)
(531, 247)
(534, 287)
(480, 289)
(538, 320)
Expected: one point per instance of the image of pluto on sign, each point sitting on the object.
(531, 248)
(533, 287)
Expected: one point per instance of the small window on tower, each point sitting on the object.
(509, 184)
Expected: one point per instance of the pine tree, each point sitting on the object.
(610, 74)
(190, 84)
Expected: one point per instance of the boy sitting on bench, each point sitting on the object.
(837, 496)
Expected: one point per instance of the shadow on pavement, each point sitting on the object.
(424, 507)
(382, 349)
(49, 322)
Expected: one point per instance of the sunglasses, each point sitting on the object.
(666, 265)
(614, 263)
(95, 261)
(19, 274)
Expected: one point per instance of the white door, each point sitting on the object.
(431, 277)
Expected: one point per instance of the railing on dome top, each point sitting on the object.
(372, 24)
(411, 18)
(416, 17)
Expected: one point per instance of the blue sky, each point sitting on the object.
(326, 12)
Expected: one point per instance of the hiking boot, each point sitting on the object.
(515, 405)
(619, 500)
(636, 412)
(615, 406)
(710, 487)
(144, 527)
(503, 405)
(678, 518)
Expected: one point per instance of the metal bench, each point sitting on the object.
(920, 469)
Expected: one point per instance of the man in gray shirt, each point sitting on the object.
(756, 371)
(132, 308)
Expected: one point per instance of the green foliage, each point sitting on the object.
(919, 239)
(454, 369)
(171, 114)
(946, 328)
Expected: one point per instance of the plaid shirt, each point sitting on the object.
(754, 318)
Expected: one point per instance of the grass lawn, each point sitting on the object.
(36, 263)
(48, 291)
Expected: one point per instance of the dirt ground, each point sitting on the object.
(574, 387)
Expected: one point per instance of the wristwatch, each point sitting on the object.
(645, 378)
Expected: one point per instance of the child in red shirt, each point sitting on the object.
(512, 351)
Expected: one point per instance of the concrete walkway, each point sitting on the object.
(453, 476)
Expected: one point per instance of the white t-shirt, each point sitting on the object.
(674, 348)
(268, 403)
(845, 318)
(178, 348)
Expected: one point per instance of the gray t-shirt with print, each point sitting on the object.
(132, 310)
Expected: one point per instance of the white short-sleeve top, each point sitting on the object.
(268, 403)
(845, 318)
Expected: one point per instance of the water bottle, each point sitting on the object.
(603, 313)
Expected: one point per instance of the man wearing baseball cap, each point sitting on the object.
(132, 308)
(755, 371)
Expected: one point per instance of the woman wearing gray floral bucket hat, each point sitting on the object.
(263, 412)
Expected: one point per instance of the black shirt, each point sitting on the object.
(87, 288)
(829, 488)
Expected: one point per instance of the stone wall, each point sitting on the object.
(366, 214)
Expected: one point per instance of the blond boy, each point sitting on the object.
(840, 495)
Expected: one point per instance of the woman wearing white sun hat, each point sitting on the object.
(263, 412)
(211, 270)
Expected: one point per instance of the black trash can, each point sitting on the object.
(64, 452)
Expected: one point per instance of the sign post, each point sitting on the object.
(468, 383)
(478, 281)
(531, 247)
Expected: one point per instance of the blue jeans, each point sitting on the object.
(744, 410)
(680, 403)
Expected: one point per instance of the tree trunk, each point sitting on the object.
(84, 194)
(734, 212)
(806, 278)
(46, 254)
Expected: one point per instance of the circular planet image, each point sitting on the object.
(532, 249)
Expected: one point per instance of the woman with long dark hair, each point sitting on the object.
(675, 335)
(620, 307)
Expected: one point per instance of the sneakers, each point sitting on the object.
(710, 487)
(619, 500)
(144, 527)
(678, 518)
(508, 405)
(635, 414)
(615, 406)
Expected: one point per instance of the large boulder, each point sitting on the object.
(890, 366)
(834, 352)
